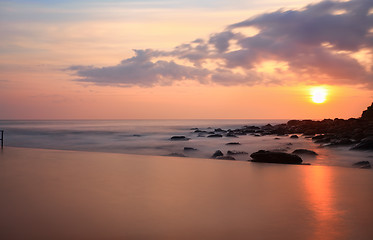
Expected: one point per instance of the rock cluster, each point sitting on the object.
(275, 157)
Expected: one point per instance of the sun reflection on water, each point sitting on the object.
(322, 203)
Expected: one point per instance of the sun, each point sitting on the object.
(318, 94)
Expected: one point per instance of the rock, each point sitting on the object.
(368, 114)
(231, 135)
(304, 152)
(276, 138)
(233, 152)
(189, 149)
(199, 131)
(215, 136)
(294, 136)
(365, 144)
(179, 138)
(257, 135)
(218, 153)
(226, 158)
(340, 142)
(233, 143)
(362, 164)
(275, 157)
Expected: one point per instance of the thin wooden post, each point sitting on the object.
(2, 139)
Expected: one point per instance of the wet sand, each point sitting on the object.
(52, 194)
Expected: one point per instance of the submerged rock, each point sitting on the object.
(189, 149)
(305, 152)
(215, 136)
(275, 157)
(231, 135)
(179, 138)
(365, 144)
(362, 164)
(233, 143)
(218, 153)
(225, 158)
(233, 152)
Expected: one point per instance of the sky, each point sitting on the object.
(162, 59)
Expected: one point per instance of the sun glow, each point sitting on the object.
(318, 94)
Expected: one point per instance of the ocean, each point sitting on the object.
(153, 137)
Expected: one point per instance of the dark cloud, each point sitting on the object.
(139, 70)
(316, 42)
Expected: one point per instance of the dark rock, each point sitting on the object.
(318, 137)
(233, 152)
(189, 149)
(362, 164)
(218, 153)
(225, 158)
(365, 144)
(231, 135)
(199, 131)
(219, 130)
(341, 142)
(215, 136)
(179, 138)
(275, 157)
(267, 127)
(257, 135)
(368, 114)
(305, 152)
(294, 136)
(233, 143)
(276, 138)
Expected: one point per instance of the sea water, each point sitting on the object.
(153, 137)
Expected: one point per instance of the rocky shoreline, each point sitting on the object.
(356, 133)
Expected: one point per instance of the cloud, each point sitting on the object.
(139, 70)
(317, 44)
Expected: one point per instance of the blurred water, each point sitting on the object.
(152, 137)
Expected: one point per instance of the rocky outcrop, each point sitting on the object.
(179, 138)
(218, 153)
(368, 114)
(304, 152)
(365, 144)
(275, 157)
(362, 164)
